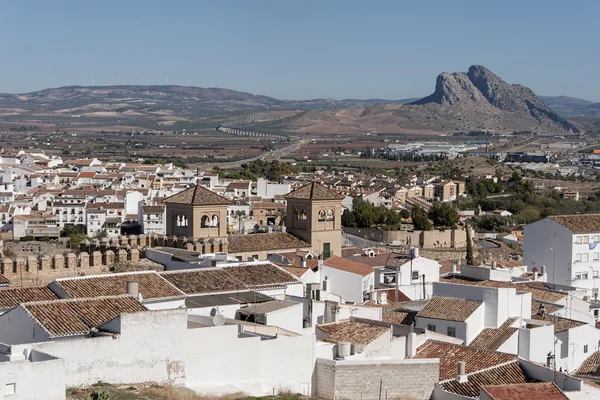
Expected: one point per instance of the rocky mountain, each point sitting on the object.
(481, 91)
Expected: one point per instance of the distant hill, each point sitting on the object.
(477, 100)
(186, 99)
(566, 106)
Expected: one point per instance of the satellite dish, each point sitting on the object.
(218, 320)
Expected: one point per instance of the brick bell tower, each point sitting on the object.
(314, 214)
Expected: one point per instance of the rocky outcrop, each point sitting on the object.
(479, 88)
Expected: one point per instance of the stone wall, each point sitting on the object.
(434, 239)
(376, 379)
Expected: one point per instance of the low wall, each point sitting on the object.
(434, 239)
(376, 379)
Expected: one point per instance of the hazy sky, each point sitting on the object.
(301, 49)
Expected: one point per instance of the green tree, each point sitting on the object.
(469, 257)
(443, 215)
(420, 219)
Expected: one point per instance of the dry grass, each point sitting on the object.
(178, 393)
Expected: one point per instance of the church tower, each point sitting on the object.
(196, 213)
(314, 214)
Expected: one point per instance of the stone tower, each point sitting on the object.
(196, 213)
(314, 214)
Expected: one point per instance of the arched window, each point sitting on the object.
(303, 214)
(296, 214)
(330, 215)
(322, 215)
(205, 221)
(214, 220)
(184, 220)
(176, 220)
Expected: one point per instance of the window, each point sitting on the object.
(596, 314)
(10, 388)
(577, 276)
(586, 240)
(594, 238)
(585, 348)
(585, 257)
(578, 257)
(415, 275)
(431, 327)
(584, 275)
(595, 274)
(596, 257)
(452, 331)
(578, 240)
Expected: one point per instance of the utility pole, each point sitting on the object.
(424, 291)
(397, 283)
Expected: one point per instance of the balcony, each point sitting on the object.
(208, 232)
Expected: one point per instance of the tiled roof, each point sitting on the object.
(298, 271)
(150, 284)
(295, 259)
(264, 241)
(153, 209)
(267, 205)
(77, 317)
(314, 191)
(197, 196)
(396, 317)
(450, 354)
(344, 264)
(506, 374)
(536, 293)
(525, 391)
(12, 297)
(449, 309)
(3, 279)
(492, 338)
(550, 308)
(379, 260)
(563, 324)
(353, 332)
(590, 368)
(579, 223)
(228, 279)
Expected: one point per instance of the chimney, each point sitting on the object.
(543, 276)
(461, 376)
(133, 289)
(454, 268)
(535, 273)
(303, 262)
(411, 345)
(494, 265)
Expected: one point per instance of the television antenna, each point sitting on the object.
(142, 80)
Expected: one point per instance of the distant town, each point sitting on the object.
(269, 280)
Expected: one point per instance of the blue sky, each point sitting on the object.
(302, 49)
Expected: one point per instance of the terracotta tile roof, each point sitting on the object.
(3, 279)
(397, 317)
(525, 391)
(153, 209)
(229, 279)
(298, 271)
(579, 223)
(314, 191)
(87, 174)
(379, 260)
(77, 317)
(506, 374)
(151, 286)
(446, 266)
(492, 338)
(450, 354)
(550, 308)
(295, 259)
(548, 295)
(449, 309)
(590, 368)
(344, 264)
(264, 241)
(12, 297)
(563, 324)
(353, 332)
(197, 196)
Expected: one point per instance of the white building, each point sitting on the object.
(350, 280)
(568, 246)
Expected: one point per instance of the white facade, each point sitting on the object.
(467, 330)
(349, 286)
(576, 259)
(268, 190)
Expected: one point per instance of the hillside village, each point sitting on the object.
(135, 273)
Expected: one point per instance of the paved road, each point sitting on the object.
(268, 156)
